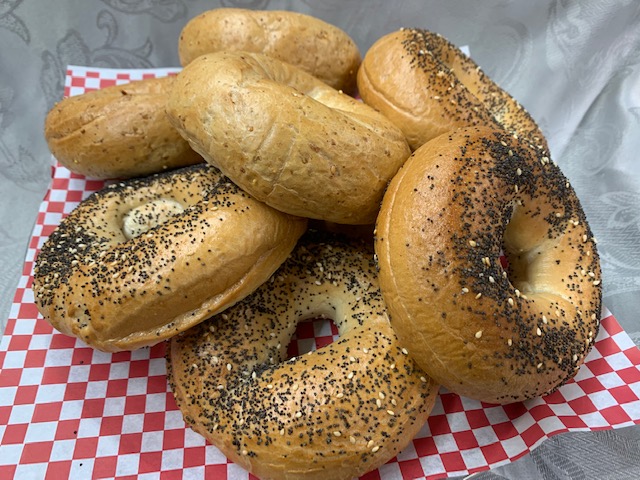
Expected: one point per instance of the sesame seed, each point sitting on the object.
(544, 319)
(352, 439)
(479, 334)
(337, 434)
(491, 279)
(229, 366)
(511, 302)
(370, 443)
(391, 412)
(539, 332)
(405, 351)
(269, 387)
(423, 379)
(473, 243)
(518, 171)
(339, 395)
(509, 342)
(539, 365)
(465, 290)
(381, 395)
(378, 403)
(375, 449)
(478, 295)
(596, 282)
(298, 414)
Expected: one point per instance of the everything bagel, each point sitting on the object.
(336, 412)
(145, 259)
(285, 137)
(489, 333)
(317, 47)
(427, 86)
(120, 131)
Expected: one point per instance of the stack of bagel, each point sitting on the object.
(254, 190)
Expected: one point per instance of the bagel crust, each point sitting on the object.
(427, 86)
(145, 259)
(494, 334)
(287, 138)
(120, 131)
(317, 47)
(336, 412)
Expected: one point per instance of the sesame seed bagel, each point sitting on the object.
(285, 137)
(120, 131)
(336, 412)
(428, 86)
(317, 47)
(145, 259)
(483, 331)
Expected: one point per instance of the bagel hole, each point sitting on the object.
(149, 215)
(312, 334)
(522, 248)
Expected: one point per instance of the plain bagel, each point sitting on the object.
(428, 86)
(287, 138)
(145, 259)
(336, 412)
(319, 48)
(120, 131)
(494, 334)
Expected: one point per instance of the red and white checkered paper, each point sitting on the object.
(67, 410)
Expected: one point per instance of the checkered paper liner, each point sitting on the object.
(69, 411)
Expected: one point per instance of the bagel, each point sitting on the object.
(142, 260)
(117, 132)
(427, 86)
(317, 47)
(493, 334)
(285, 137)
(336, 412)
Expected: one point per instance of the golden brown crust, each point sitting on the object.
(118, 132)
(116, 293)
(318, 48)
(427, 86)
(484, 332)
(288, 139)
(337, 412)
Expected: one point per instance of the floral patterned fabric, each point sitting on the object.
(574, 64)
